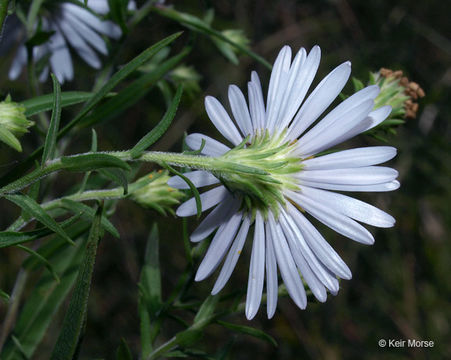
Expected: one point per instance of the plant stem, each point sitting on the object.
(211, 164)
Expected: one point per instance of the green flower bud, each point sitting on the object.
(152, 191)
(398, 92)
(236, 36)
(13, 122)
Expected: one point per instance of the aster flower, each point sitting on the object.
(283, 142)
(75, 26)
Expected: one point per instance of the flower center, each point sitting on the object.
(275, 164)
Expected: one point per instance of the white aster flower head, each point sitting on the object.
(279, 144)
(72, 25)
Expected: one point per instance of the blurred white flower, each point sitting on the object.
(293, 179)
(75, 26)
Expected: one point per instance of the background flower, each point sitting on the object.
(70, 25)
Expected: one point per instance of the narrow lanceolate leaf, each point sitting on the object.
(150, 291)
(75, 316)
(89, 213)
(9, 139)
(88, 162)
(150, 282)
(160, 129)
(10, 238)
(44, 301)
(52, 132)
(4, 296)
(249, 331)
(42, 103)
(117, 176)
(134, 92)
(123, 352)
(205, 312)
(35, 210)
(42, 260)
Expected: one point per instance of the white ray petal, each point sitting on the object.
(357, 157)
(209, 199)
(314, 139)
(256, 102)
(366, 175)
(221, 120)
(377, 116)
(336, 221)
(240, 110)
(212, 147)
(326, 277)
(286, 264)
(216, 218)
(311, 279)
(320, 247)
(387, 186)
(291, 102)
(232, 256)
(302, 82)
(218, 247)
(277, 86)
(320, 99)
(256, 269)
(355, 209)
(271, 275)
(199, 178)
(336, 116)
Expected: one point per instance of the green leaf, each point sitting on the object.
(188, 337)
(206, 311)
(39, 38)
(89, 214)
(358, 85)
(52, 132)
(45, 102)
(4, 295)
(41, 259)
(132, 93)
(150, 282)
(249, 331)
(9, 238)
(160, 129)
(123, 351)
(30, 206)
(88, 162)
(117, 176)
(150, 292)
(43, 303)
(9, 139)
(76, 313)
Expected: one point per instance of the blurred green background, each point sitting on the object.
(401, 286)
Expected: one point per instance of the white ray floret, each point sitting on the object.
(283, 141)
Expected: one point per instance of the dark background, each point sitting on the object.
(400, 287)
